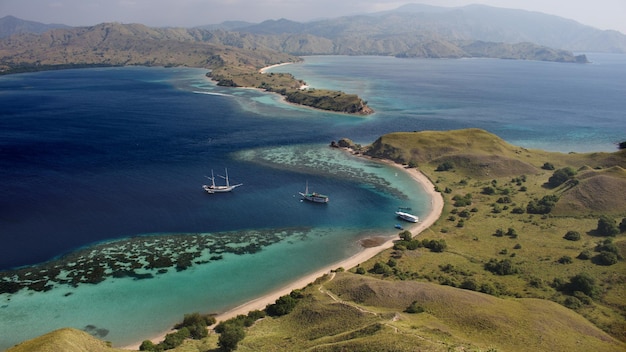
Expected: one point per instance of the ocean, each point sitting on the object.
(103, 216)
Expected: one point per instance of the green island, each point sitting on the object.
(527, 255)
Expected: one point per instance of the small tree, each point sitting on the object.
(503, 267)
(584, 283)
(547, 166)
(607, 226)
(561, 176)
(414, 308)
(148, 345)
(607, 258)
(445, 166)
(406, 235)
(230, 337)
(284, 305)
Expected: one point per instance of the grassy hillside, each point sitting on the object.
(66, 340)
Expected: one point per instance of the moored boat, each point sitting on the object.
(213, 188)
(313, 196)
(407, 217)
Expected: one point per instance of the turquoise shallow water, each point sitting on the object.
(102, 206)
(133, 307)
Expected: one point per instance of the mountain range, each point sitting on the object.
(409, 31)
(468, 23)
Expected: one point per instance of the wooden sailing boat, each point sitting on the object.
(213, 188)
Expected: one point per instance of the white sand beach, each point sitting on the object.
(261, 302)
(272, 66)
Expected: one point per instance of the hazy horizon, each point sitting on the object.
(601, 14)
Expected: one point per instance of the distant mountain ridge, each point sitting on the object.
(10, 25)
(472, 22)
(409, 31)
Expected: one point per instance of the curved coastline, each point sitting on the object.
(348, 263)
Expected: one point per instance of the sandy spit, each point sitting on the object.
(261, 302)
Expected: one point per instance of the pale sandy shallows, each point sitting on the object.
(261, 302)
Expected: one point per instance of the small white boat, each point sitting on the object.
(213, 188)
(313, 196)
(407, 217)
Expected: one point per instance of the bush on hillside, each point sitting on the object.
(502, 267)
(584, 283)
(561, 176)
(230, 337)
(445, 166)
(622, 225)
(572, 236)
(547, 166)
(607, 226)
(462, 201)
(284, 305)
(606, 258)
(543, 205)
(414, 308)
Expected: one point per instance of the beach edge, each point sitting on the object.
(261, 302)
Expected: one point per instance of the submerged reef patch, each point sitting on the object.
(315, 159)
(141, 257)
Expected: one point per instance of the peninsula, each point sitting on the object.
(511, 257)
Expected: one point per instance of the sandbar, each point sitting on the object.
(364, 255)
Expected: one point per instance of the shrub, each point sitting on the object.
(566, 259)
(504, 200)
(572, 236)
(488, 289)
(607, 246)
(230, 337)
(488, 191)
(435, 245)
(511, 232)
(547, 166)
(561, 176)
(175, 339)
(502, 267)
(360, 270)
(622, 225)
(518, 210)
(382, 268)
(147, 345)
(585, 255)
(284, 305)
(607, 226)
(543, 205)
(572, 302)
(414, 308)
(469, 284)
(584, 283)
(445, 166)
(406, 235)
(607, 258)
(462, 201)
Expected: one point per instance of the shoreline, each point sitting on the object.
(262, 70)
(348, 263)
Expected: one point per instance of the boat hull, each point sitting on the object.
(407, 217)
(315, 198)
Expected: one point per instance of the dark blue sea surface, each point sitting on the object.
(103, 168)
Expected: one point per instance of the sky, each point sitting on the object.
(602, 14)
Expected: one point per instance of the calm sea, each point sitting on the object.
(102, 170)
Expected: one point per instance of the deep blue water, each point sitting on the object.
(94, 155)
